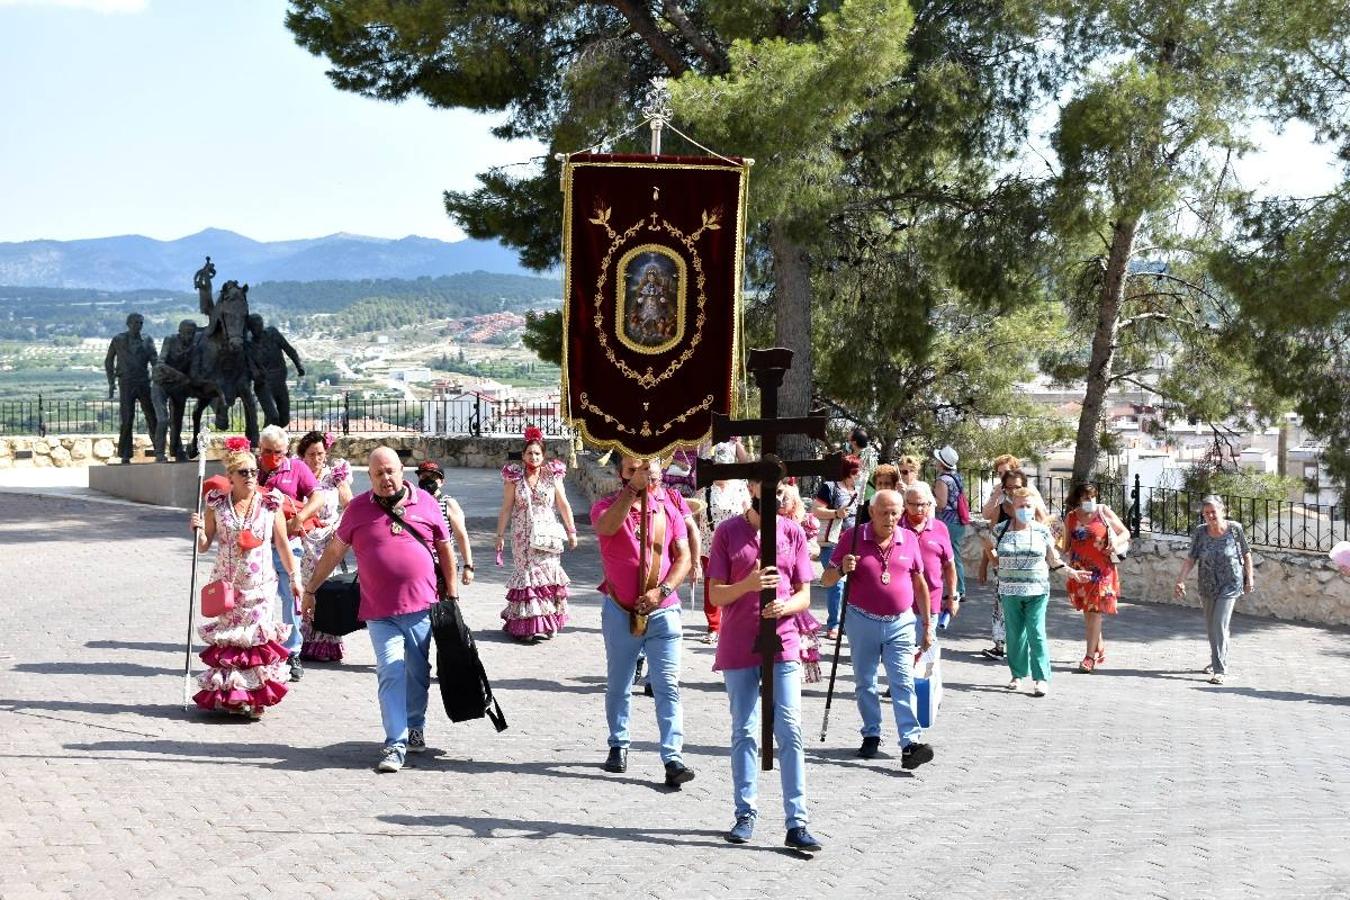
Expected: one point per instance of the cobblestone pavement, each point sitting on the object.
(1139, 781)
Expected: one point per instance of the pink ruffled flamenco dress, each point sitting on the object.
(536, 592)
(245, 657)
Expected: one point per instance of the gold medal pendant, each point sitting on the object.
(886, 577)
(395, 528)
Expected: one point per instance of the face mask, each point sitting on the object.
(754, 504)
(430, 485)
(1088, 507)
(915, 518)
(1025, 514)
(271, 460)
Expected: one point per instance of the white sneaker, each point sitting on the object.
(1015, 684)
(1040, 688)
(391, 759)
(1208, 670)
(1216, 679)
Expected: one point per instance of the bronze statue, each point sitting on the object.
(219, 357)
(266, 349)
(130, 357)
(172, 386)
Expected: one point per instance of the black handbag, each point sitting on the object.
(337, 606)
(466, 692)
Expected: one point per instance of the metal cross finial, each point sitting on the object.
(656, 107)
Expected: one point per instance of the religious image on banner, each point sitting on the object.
(652, 249)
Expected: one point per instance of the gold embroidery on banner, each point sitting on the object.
(646, 430)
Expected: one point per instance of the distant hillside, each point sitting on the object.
(349, 307)
(134, 262)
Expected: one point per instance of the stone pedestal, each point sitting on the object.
(163, 484)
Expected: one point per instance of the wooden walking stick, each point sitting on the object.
(202, 442)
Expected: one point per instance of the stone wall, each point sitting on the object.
(1289, 585)
(92, 450)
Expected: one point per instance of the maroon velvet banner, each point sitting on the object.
(652, 257)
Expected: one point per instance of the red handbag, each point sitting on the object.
(217, 598)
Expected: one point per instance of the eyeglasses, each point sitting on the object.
(245, 473)
(906, 471)
(919, 504)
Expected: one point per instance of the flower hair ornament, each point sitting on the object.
(328, 439)
(533, 435)
(236, 444)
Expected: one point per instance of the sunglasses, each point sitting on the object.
(245, 473)
(906, 471)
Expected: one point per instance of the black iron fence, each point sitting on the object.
(469, 416)
(1281, 524)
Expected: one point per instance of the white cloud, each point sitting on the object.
(98, 6)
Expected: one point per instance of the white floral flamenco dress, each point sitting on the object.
(317, 645)
(245, 657)
(536, 592)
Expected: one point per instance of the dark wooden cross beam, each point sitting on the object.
(768, 367)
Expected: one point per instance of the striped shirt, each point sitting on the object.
(1022, 570)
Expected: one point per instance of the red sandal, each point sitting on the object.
(1087, 665)
(1101, 654)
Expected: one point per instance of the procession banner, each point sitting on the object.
(652, 255)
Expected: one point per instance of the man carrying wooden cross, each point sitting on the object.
(736, 576)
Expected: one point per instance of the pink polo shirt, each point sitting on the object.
(293, 478)
(395, 571)
(865, 588)
(935, 549)
(735, 554)
(619, 551)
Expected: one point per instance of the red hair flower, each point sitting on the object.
(235, 444)
(533, 435)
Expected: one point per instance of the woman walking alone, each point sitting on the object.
(334, 479)
(1091, 530)
(533, 498)
(1220, 548)
(246, 654)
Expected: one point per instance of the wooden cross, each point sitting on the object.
(768, 367)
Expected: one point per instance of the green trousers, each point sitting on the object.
(1028, 648)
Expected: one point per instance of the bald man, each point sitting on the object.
(396, 529)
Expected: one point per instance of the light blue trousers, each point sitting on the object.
(661, 643)
(873, 643)
(743, 692)
(288, 614)
(403, 670)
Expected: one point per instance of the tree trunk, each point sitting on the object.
(1103, 350)
(792, 329)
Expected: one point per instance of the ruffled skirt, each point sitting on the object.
(536, 596)
(245, 657)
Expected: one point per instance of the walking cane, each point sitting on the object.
(839, 636)
(202, 442)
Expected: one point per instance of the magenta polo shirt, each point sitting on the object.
(396, 573)
(734, 555)
(865, 588)
(293, 478)
(935, 549)
(619, 551)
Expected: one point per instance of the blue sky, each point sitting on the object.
(164, 117)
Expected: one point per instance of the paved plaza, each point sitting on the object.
(1138, 781)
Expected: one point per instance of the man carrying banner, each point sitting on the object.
(735, 578)
(887, 588)
(644, 617)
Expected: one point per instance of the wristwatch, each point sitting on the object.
(664, 590)
(469, 566)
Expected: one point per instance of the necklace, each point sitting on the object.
(886, 560)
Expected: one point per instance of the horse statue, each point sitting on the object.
(219, 358)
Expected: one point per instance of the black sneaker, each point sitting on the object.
(800, 839)
(297, 670)
(617, 761)
(647, 690)
(677, 773)
(994, 652)
(915, 755)
(870, 747)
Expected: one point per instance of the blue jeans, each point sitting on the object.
(661, 643)
(403, 669)
(743, 692)
(891, 644)
(284, 594)
(958, 532)
(834, 596)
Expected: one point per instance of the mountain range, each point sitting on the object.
(132, 262)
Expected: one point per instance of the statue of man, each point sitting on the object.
(130, 357)
(266, 361)
(171, 372)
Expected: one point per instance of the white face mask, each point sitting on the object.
(1088, 507)
(1025, 513)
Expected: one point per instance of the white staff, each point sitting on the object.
(202, 442)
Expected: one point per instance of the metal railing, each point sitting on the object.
(472, 416)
